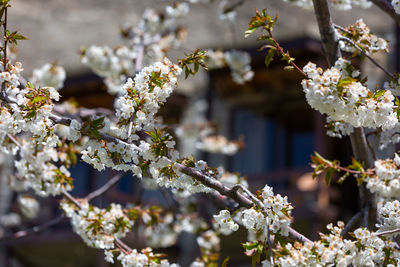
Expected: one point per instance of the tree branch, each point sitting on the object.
(205, 180)
(330, 45)
(361, 153)
(114, 180)
(234, 194)
(327, 31)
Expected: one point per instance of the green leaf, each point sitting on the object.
(37, 99)
(98, 122)
(379, 93)
(31, 115)
(328, 176)
(269, 57)
(225, 262)
(256, 258)
(288, 68)
(343, 178)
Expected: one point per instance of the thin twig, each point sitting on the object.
(170, 201)
(72, 199)
(91, 196)
(120, 243)
(282, 52)
(34, 230)
(15, 141)
(388, 232)
(114, 180)
(351, 223)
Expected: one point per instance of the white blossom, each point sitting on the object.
(225, 223)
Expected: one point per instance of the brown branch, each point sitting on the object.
(234, 194)
(361, 153)
(351, 223)
(329, 39)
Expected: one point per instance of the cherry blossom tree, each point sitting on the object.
(45, 138)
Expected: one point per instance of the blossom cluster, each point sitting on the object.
(389, 217)
(276, 216)
(386, 181)
(332, 249)
(49, 75)
(348, 4)
(218, 144)
(361, 35)
(135, 112)
(97, 227)
(29, 206)
(237, 61)
(156, 32)
(338, 128)
(114, 65)
(142, 97)
(337, 93)
(225, 222)
(29, 111)
(396, 6)
(146, 258)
